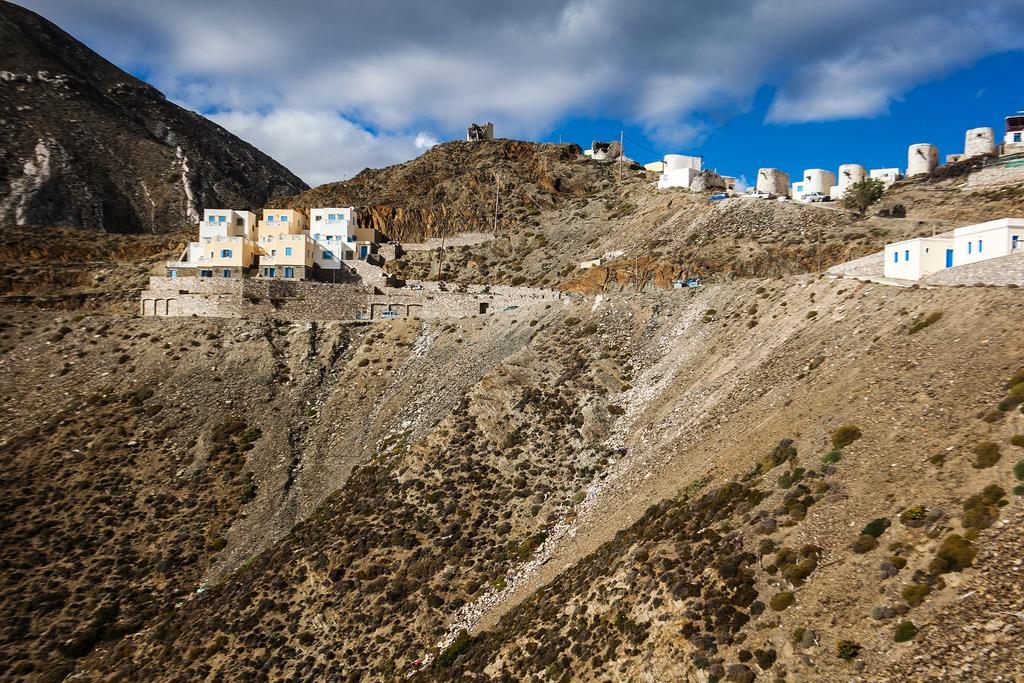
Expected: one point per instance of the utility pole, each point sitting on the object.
(819, 249)
(636, 273)
(440, 254)
(621, 140)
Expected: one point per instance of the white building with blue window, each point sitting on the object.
(333, 230)
(917, 258)
(988, 240)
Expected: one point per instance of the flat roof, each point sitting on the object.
(997, 224)
(920, 239)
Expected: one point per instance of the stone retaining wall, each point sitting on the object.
(305, 300)
(996, 175)
(466, 239)
(1005, 270)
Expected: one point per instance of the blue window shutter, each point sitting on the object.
(895, 257)
(979, 246)
(287, 251)
(969, 246)
(906, 255)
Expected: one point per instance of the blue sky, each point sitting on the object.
(329, 87)
(938, 112)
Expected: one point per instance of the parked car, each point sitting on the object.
(816, 197)
(719, 196)
(757, 194)
(388, 315)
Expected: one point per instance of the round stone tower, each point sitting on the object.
(773, 181)
(979, 141)
(850, 174)
(922, 158)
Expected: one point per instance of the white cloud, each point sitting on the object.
(407, 66)
(320, 145)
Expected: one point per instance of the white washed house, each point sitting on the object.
(334, 232)
(918, 258)
(988, 240)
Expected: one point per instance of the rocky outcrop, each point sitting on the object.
(451, 188)
(84, 144)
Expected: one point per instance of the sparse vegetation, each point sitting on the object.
(862, 194)
(924, 322)
(905, 630)
(986, 454)
(847, 649)
(781, 601)
(845, 435)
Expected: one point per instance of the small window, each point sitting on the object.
(223, 219)
(331, 217)
(205, 273)
(979, 246)
(273, 252)
(906, 255)
(239, 221)
(289, 272)
(172, 273)
(895, 257)
(270, 219)
(969, 247)
(284, 219)
(318, 218)
(225, 253)
(287, 251)
(926, 250)
(329, 255)
(226, 272)
(316, 236)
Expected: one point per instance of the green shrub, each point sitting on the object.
(781, 601)
(1017, 440)
(1018, 490)
(905, 630)
(1018, 470)
(914, 514)
(980, 510)
(954, 555)
(811, 314)
(847, 649)
(915, 593)
(986, 454)
(864, 543)
(832, 457)
(844, 436)
(876, 527)
(461, 643)
(785, 451)
(616, 410)
(922, 323)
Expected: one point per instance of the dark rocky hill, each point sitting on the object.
(84, 144)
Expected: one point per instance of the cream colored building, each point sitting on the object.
(992, 239)
(226, 246)
(917, 258)
(285, 249)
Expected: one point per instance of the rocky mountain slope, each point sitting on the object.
(776, 476)
(84, 144)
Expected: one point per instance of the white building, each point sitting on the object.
(992, 239)
(849, 175)
(922, 158)
(333, 231)
(813, 180)
(888, 176)
(1013, 138)
(918, 258)
(680, 171)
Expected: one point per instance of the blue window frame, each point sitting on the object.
(906, 255)
(222, 219)
(269, 272)
(969, 247)
(895, 257)
(270, 219)
(351, 238)
(225, 253)
(289, 272)
(287, 251)
(284, 219)
(332, 216)
(328, 255)
(172, 273)
(226, 273)
(205, 273)
(316, 236)
(979, 246)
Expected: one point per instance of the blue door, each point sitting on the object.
(949, 258)
(364, 251)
